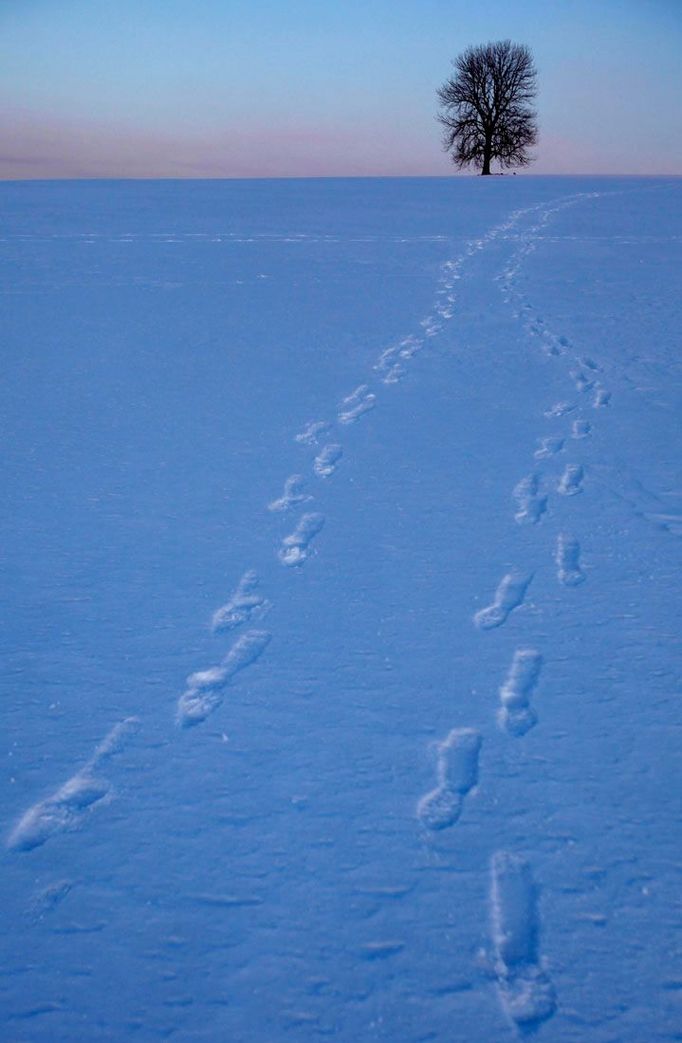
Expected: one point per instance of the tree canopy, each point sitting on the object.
(487, 108)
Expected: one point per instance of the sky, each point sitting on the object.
(311, 88)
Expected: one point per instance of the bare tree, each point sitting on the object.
(487, 106)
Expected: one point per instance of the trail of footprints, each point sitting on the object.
(525, 990)
(205, 689)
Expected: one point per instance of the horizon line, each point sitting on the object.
(334, 177)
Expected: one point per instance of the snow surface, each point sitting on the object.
(341, 527)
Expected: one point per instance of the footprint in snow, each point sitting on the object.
(509, 595)
(548, 447)
(293, 494)
(246, 601)
(525, 990)
(601, 398)
(409, 347)
(567, 558)
(295, 549)
(530, 505)
(204, 692)
(312, 432)
(356, 404)
(580, 429)
(327, 460)
(388, 365)
(64, 808)
(516, 716)
(456, 773)
(582, 382)
(431, 326)
(571, 481)
(560, 409)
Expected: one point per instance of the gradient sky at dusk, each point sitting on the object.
(269, 88)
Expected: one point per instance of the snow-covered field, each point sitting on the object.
(341, 535)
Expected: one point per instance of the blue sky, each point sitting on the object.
(225, 88)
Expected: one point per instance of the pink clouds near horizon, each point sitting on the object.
(35, 147)
(48, 147)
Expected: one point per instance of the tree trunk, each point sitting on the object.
(487, 156)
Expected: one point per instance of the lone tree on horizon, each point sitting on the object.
(487, 106)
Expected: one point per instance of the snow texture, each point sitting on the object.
(437, 798)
